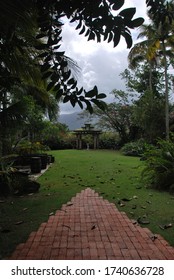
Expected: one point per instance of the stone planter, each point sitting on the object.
(44, 160)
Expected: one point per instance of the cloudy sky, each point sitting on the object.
(100, 63)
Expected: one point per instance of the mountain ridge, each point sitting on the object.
(72, 120)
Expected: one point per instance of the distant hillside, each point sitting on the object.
(72, 120)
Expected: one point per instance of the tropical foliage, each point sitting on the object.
(109, 140)
(157, 47)
(32, 30)
(136, 148)
(159, 171)
(148, 111)
(153, 109)
(32, 63)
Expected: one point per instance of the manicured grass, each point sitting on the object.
(113, 175)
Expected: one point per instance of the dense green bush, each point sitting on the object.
(136, 148)
(159, 166)
(109, 140)
(26, 147)
(67, 141)
(6, 168)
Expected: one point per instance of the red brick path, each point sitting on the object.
(90, 227)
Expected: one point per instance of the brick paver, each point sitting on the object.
(89, 227)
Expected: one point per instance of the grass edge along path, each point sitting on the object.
(112, 175)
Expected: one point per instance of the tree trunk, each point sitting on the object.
(166, 92)
(150, 77)
(4, 135)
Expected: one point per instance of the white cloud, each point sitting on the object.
(100, 63)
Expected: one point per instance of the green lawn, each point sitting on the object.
(113, 175)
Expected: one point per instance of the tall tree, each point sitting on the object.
(164, 21)
(148, 110)
(159, 40)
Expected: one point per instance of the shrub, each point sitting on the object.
(67, 141)
(109, 140)
(136, 148)
(159, 166)
(6, 169)
(26, 147)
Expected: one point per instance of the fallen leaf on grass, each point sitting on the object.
(48, 194)
(122, 204)
(149, 202)
(165, 226)
(126, 199)
(142, 221)
(19, 223)
(71, 177)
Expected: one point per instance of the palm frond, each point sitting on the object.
(135, 61)
(12, 114)
(72, 64)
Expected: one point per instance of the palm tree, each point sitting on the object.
(146, 50)
(165, 31)
(159, 44)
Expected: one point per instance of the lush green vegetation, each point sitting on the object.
(35, 76)
(34, 67)
(159, 170)
(115, 176)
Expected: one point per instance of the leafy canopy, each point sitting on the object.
(96, 20)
